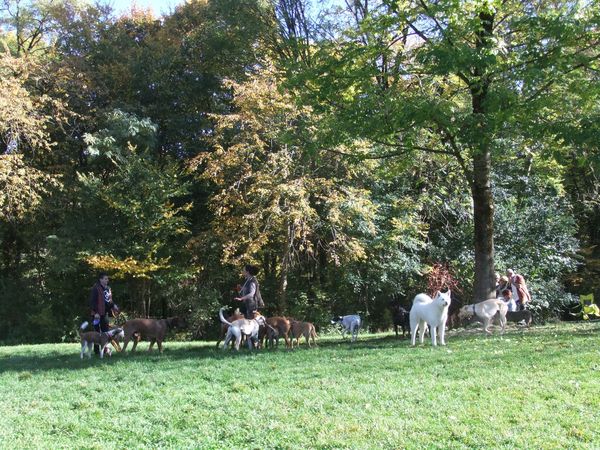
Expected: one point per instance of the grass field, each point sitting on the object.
(537, 388)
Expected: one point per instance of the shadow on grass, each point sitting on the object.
(66, 360)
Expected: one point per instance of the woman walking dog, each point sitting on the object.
(101, 302)
(250, 292)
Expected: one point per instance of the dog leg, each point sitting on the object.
(443, 333)
(486, 324)
(160, 348)
(502, 324)
(126, 340)
(82, 349)
(413, 330)
(421, 331)
(151, 344)
(226, 341)
(433, 336)
(116, 345)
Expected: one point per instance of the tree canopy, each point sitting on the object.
(347, 151)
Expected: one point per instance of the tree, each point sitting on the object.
(131, 220)
(272, 195)
(468, 80)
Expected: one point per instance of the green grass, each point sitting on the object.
(536, 388)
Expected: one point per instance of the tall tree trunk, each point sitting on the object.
(147, 293)
(483, 215)
(481, 188)
(285, 267)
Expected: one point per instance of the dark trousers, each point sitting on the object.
(102, 326)
(248, 308)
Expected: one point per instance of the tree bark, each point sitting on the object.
(481, 188)
(283, 275)
(483, 216)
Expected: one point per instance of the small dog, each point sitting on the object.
(152, 330)
(430, 311)
(519, 316)
(305, 329)
(401, 318)
(245, 327)
(487, 311)
(103, 339)
(350, 324)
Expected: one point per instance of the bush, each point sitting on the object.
(549, 300)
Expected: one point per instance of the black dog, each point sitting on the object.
(518, 316)
(401, 318)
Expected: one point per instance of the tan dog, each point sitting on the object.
(276, 327)
(152, 330)
(305, 329)
(90, 338)
(486, 311)
(247, 328)
(224, 327)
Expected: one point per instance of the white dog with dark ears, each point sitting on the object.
(102, 338)
(430, 311)
(350, 324)
(242, 327)
(487, 311)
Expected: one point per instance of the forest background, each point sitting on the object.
(348, 150)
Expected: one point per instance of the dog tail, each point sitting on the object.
(313, 333)
(83, 326)
(223, 318)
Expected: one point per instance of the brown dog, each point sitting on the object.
(277, 327)
(305, 329)
(152, 330)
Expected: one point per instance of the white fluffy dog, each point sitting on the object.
(434, 312)
(350, 324)
(486, 311)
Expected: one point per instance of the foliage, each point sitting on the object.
(22, 188)
(24, 111)
(454, 79)
(273, 194)
(344, 152)
(132, 221)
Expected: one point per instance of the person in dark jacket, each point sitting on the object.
(101, 303)
(250, 292)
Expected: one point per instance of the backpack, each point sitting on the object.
(257, 297)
